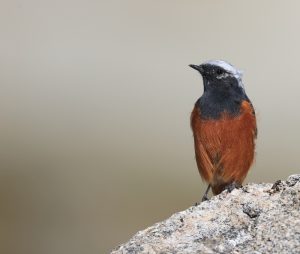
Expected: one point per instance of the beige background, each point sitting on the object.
(94, 106)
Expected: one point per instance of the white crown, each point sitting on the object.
(238, 74)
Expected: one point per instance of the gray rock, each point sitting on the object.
(258, 218)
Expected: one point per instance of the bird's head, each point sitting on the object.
(219, 74)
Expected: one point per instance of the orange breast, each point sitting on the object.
(224, 148)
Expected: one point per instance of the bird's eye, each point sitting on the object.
(220, 71)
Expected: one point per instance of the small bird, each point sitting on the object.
(224, 126)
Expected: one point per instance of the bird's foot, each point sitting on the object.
(204, 198)
(234, 185)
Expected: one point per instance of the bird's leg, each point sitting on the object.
(205, 197)
(234, 185)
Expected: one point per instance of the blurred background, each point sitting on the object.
(95, 103)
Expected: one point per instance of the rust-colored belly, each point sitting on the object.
(224, 147)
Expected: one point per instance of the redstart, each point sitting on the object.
(224, 127)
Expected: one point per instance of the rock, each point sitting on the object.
(257, 218)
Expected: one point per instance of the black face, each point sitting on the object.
(216, 77)
(222, 92)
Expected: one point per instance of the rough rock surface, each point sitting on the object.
(258, 218)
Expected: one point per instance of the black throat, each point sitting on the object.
(221, 99)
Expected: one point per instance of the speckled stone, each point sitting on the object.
(258, 218)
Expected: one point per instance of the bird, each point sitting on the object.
(224, 127)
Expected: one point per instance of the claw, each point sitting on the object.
(234, 185)
(204, 198)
